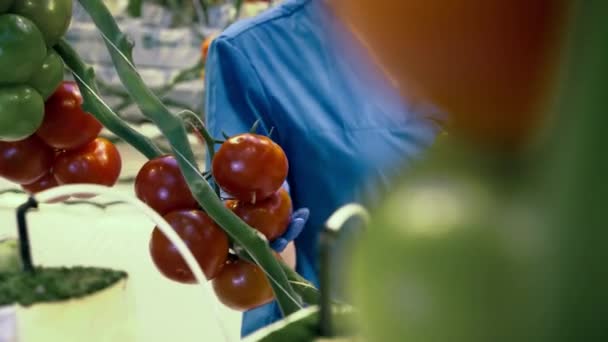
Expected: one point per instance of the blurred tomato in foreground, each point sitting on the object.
(489, 64)
(449, 257)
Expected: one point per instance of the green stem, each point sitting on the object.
(188, 74)
(85, 76)
(193, 119)
(173, 129)
(199, 126)
(309, 294)
(205, 8)
(134, 8)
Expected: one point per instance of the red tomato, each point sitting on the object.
(206, 240)
(270, 216)
(47, 181)
(161, 185)
(98, 162)
(250, 167)
(25, 161)
(242, 286)
(66, 126)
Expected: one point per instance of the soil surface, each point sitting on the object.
(55, 284)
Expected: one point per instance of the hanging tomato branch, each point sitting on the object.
(173, 129)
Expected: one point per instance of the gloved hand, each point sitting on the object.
(298, 221)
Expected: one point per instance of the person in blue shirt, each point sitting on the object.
(344, 127)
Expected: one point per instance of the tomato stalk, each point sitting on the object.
(199, 127)
(85, 77)
(173, 129)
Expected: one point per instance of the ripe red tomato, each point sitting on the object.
(25, 161)
(47, 181)
(66, 126)
(250, 167)
(270, 216)
(98, 162)
(206, 240)
(161, 185)
(242, 286)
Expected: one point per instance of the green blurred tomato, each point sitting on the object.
(50, 75)
(447, 258)
(22, 49)
(51, 16)
(21, 112)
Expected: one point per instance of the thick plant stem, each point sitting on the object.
(85, 77)
(173, 129)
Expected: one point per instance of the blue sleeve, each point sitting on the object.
(235, 97)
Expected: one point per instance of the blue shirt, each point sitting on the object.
(344, 127)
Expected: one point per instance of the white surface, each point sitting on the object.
(118, 238)
(72, 321)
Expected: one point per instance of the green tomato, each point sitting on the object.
(21, 112)
(5, 5)
(22, 49)
(50, 75)
(51, 16)
(448, 258)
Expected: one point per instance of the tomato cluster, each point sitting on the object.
(251, 169)
(65, 149)
(161, 185)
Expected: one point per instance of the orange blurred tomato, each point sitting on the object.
(205, 46)
(489, 64)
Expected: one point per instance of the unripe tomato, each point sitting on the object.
(98, 162)
(205, 239)
(22, 111)
(48, 78)
(52, 17)
(25, 161)
(66, 126)
(250, 167)
(449, 256)
(242, 286)
(22, 49)
(161, 185)
(489, 64)
(270, 216)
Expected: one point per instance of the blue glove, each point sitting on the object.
(298, 221)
